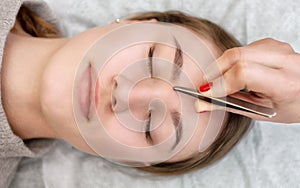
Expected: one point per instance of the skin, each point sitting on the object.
(38, 79)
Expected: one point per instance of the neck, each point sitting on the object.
(23, 64)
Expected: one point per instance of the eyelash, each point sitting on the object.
(150, 55)
(148, 124)
(114, 101)
(147, 131)
(178, 62)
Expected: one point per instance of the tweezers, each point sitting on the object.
(229, 102)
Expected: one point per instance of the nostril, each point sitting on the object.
(121, 88)
(113, 103)
(115, 82)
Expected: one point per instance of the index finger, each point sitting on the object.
(260, 54)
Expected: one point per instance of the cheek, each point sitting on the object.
(163, 131)
(122, 134)
(132, 138)
(132, 133)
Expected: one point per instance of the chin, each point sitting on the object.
(56, 96)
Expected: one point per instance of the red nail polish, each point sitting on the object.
(203, 111)
(206, 87)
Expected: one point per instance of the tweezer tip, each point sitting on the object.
(182, 89)
(177, 88)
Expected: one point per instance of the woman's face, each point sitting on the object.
(118, 102)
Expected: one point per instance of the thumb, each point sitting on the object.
(203, 106)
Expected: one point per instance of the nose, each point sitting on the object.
(138, 96)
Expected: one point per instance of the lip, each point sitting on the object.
(85, 92)
(97, 87)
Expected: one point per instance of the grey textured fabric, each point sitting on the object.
(12, 148)
(268, 156)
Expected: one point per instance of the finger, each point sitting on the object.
(254, 98)
(202, 106)
(228, 59)
(251, 97)
(262, 54)
(250, 75)
(272, 45)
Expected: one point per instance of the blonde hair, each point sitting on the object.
(236, 125)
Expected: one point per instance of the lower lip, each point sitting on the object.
(85, 92)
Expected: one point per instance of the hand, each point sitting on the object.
(270, 69)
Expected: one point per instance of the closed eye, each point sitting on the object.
(147, 131)
(150, 67)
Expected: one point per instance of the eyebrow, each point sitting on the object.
(176, 119)
(178, 61)
(176, 116)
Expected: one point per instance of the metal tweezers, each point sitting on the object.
(229, 102)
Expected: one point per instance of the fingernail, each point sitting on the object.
(206, 87)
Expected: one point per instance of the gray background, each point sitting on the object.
(269, 156)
